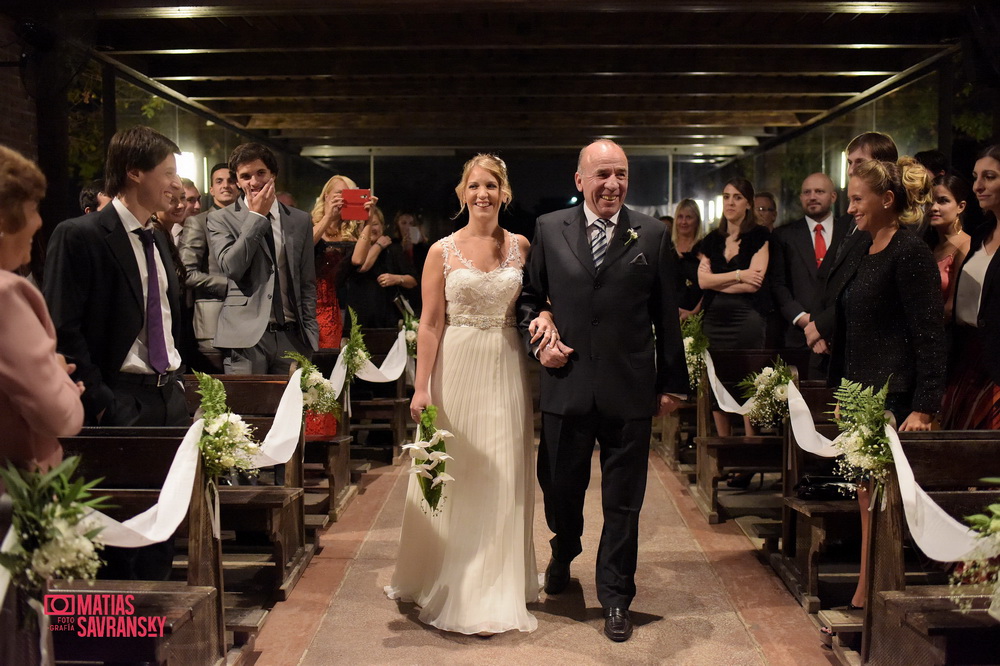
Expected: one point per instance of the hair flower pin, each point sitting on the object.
(630, 235)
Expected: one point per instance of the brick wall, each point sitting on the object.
(18, 128)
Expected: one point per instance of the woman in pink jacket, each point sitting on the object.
(39, 402)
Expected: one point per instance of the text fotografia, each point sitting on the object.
(101, 616)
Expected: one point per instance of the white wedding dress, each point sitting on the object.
(471, 566)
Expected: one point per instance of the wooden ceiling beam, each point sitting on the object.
(526, 61)
(598, 121)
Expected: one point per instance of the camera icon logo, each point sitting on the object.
(59, 604)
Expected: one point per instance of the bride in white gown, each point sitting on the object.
(470, 566)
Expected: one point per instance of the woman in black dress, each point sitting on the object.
(733, 262)
(891, 315)
(686, 235)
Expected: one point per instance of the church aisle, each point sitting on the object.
(704, 597)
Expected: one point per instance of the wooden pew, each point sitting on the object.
(812, 575)
(718, 455)
(133, 468)
(380, 407)
(332, 456)
(918, 625)
(276, 511)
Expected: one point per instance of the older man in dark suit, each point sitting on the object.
(803, 252)
(607, 273)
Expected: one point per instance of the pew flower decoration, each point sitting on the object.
(982, 566)
(695, 346)
(227, 440)
(769, 390)
(53, 536)
(319, 395)
(861, 418)
(355, 352)
(410, 325)
(430, 458)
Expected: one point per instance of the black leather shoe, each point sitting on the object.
(617, 624)
(556, 577)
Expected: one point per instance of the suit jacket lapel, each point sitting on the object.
(575, 233)
(617, 246)
(291, 257)
(804, 245)
(121, 250)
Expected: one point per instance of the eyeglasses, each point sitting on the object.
(761, 209)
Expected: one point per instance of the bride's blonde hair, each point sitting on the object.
(494, 166)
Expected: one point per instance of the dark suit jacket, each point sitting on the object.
(989, 303)
(236, 238)
(796, 281)
(606, 315)
(94, 293)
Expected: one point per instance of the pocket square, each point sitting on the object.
(640, 260)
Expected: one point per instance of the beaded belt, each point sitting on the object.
(481, 321)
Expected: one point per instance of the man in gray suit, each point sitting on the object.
(265, 250)
(205, 280)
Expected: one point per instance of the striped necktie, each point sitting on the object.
(599, 242)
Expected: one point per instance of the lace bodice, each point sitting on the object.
(471, 293)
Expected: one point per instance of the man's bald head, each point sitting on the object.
(817, 195)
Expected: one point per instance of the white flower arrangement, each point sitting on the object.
(695, 345)
(769, 390)
(54, 536)
(429, 458)
(861, 418)
(227, 440)
(630, 236)
(411, 325)
(355, 352)
(982, 566)
(319, 395)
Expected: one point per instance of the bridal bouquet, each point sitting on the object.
(227, 440)
(410, 324)
(769, 390)
(355, 352)
(861, 419)
(983, 565)
(319, 396)
(430, 458)
(695, 346)
(53, 536)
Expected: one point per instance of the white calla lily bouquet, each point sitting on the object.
(430, 458)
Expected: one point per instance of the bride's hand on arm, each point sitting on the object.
(542, 328)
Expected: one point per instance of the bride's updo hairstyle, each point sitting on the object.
(907, 179)
(492, 165)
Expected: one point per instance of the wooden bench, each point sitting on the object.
(918, 625)
(816, 578)
(331, 456)
(133, 469)
(380, 407)
(276, 511)
(718, 455)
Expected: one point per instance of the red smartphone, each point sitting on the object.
(354, 204)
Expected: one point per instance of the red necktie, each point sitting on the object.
(820, 245)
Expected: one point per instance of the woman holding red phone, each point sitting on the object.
(380, 272)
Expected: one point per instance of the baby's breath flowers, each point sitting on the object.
(227, 440)
(769, 390)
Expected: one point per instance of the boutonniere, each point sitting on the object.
(630, 235)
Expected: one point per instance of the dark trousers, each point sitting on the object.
(144, 404)
(564, 458)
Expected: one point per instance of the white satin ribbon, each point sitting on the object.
(804, 427)
(390, 370)
(726, 402)
(160, 521)
(938, 535)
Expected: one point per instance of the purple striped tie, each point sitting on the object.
(156, 344)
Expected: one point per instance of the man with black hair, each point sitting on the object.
(92, 198)
(265, 250)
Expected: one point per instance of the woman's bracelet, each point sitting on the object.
(738, 278)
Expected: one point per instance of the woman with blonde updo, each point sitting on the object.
(890, 315)
(334, 240)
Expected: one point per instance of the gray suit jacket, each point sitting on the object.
(237, 239)
(204, 277)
